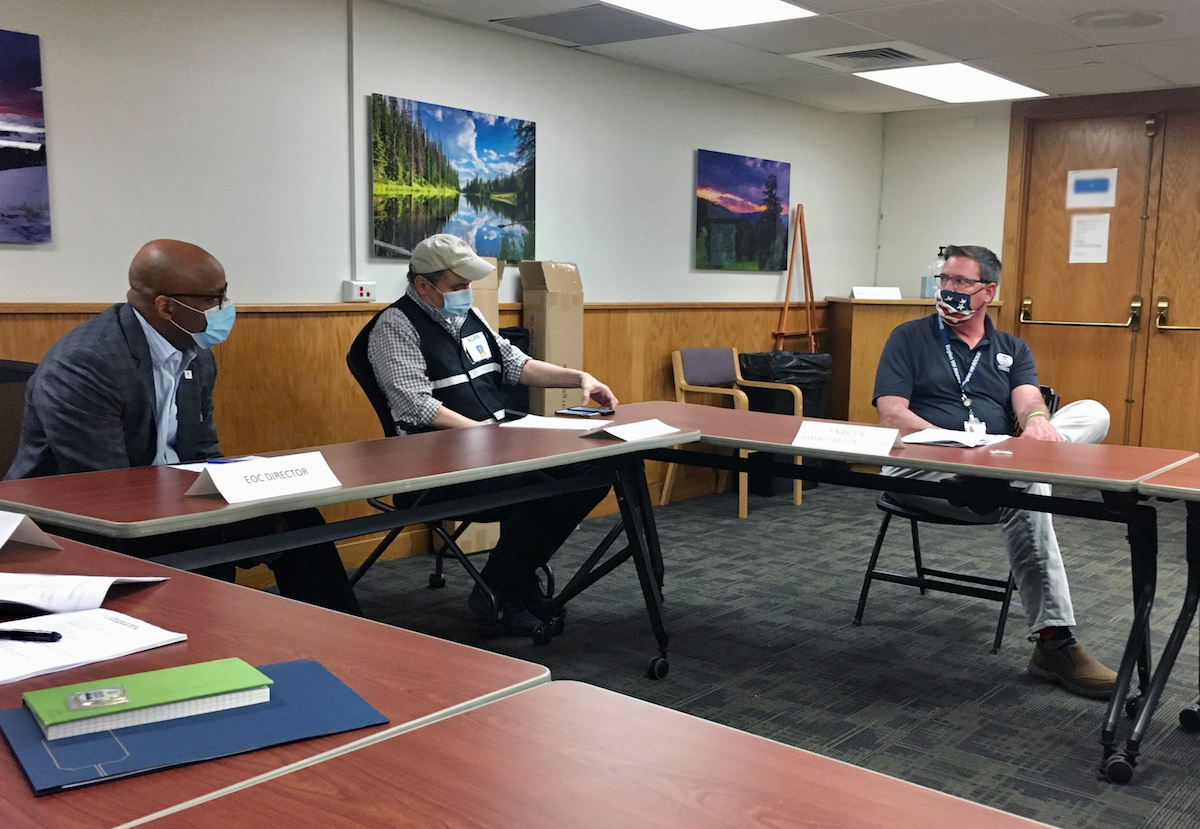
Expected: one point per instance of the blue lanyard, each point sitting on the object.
(962, 383)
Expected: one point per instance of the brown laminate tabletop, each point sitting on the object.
(567, 754)
(1101, 466)
(128, 503)
(1181, 482)
(409, 677)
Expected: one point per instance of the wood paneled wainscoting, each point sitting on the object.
(283, 381)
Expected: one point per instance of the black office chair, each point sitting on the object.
(14, 375)
(360, 366)
(928, 578)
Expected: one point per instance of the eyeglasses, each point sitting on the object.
(959, 282)
(219, 299)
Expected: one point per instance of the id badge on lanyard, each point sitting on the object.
(972, 424)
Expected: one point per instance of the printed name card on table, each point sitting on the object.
(254, 480)
(849, 438)
(17, 527)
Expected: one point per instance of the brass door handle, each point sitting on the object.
(1133, 323)
(1160, 318)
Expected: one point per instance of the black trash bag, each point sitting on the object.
(811, 372)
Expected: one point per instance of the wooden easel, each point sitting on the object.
(810, 308)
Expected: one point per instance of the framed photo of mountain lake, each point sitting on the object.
(24, 183)
(438, 169)
(741, 212)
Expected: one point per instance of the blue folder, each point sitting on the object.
(306, 701)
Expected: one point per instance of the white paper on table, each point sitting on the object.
(87, 636)
(17, 527)
(567, 424)
(951, 437)
(640, 430)
(199, 467)
(1089, 239)
(62, 594)
(255, 480)
(851, 438)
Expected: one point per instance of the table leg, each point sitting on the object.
(638, 516)
(1119, 768)
(1143, 552)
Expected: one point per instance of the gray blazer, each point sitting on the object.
(90, 404)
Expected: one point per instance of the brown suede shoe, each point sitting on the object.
(1073, 668)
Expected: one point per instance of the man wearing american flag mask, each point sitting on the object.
(955, 370)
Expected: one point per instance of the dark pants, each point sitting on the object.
(532, 532)
(312, 574)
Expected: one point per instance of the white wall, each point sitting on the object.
(222, 122)
(226, 123)
(944, 173)
(616, 157)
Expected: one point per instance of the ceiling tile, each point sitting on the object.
(1181, 18)
(838, 6)
(481, 11)
(1090, 79)
(966, 29)
(804, 35)
(1178, 61)
(592, 25)
(701, 55)
(842, 93)
(1009, 66)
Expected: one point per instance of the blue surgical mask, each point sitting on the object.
(456, 303)
(218, 322)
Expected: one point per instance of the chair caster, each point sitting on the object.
(542, 634)
(437, 580)
(658, 668)
(1118, 769)
(559, 624)
(1189, 718)
(1132, 704)
(488, 630)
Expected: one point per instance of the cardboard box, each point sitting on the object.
(552, 310)
(485, 294)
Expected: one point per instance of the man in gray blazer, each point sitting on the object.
(133, 387)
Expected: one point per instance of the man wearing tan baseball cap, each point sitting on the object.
(441, 366)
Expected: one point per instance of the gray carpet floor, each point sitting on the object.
(760, 610)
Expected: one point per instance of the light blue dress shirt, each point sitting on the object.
(170, 364)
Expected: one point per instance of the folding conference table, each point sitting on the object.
(148, 501)
(1115, 472)
(567, 754)
(411, 678)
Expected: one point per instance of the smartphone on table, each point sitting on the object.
(585, 411)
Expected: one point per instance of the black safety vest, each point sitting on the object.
(461, 383)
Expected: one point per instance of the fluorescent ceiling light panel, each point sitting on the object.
(954, 83)
(714, 14)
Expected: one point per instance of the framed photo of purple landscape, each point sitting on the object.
(24, 185)
(741, 212)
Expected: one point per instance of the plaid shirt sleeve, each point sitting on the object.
(395, 353)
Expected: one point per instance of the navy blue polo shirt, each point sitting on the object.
(914, 366)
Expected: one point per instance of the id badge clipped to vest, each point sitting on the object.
(477, 347)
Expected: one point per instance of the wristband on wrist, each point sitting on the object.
(1032, 415)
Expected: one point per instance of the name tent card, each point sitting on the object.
(17, 527)
(850, 438)
(254, 480)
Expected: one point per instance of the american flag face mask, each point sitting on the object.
(953, 307)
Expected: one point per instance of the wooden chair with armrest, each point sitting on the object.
(716, 371)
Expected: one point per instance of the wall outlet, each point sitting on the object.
(355, 291)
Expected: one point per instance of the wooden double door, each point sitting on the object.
(1125, 331)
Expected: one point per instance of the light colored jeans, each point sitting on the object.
(1033, 553)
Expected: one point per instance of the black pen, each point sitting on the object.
(30, 635)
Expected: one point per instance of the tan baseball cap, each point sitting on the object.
(444, 252)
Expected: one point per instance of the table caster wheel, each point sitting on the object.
(559, 624)
(1189, 719)
(658, 668)
(1131, 707)
(1118, 769)
(488, 630)
(437, 580)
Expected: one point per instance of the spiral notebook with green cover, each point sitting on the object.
(151, 696)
